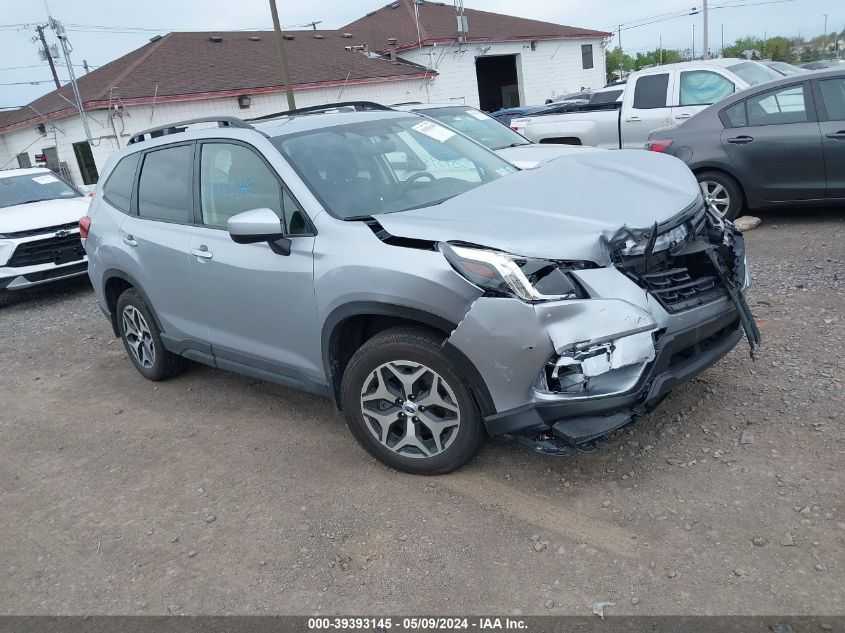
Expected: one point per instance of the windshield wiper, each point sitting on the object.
(513, 145)
(28, 202)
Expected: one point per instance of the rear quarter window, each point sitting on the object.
(735, 115)
(118, 188)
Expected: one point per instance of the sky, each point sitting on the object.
(19, 58)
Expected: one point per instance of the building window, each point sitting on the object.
(587, 55)
(85, 161)
(23, 161)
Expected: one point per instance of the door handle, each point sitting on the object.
(741, 140)
(839, 136)
(130, 241)
(685, 115)
(633, 118)
(202, 252)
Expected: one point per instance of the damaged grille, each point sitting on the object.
(677, 282)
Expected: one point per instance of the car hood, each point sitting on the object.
(564, 209)
(25, 217)
(532, 155)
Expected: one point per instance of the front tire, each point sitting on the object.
(142, 339)
(408, 405)
(721, 193)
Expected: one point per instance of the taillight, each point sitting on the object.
(658, 145)
(84, 227)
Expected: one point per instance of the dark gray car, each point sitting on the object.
(781, 143)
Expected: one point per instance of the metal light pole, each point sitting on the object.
(280, 45)
(693, 42)
(824, 40)
(706, 42)
(62, 37)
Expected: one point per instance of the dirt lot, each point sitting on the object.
(214, 493)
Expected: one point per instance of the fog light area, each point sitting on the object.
(598, 369)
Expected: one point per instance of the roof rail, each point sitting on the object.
(357, 106)
(180, 126)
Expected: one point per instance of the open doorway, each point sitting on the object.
(498, 82)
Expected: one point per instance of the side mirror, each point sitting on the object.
(259, 225)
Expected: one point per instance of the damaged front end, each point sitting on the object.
(571, 351)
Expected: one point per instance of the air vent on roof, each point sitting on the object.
(254, 38)
(395, 5)
(347, 36)
(288, 37)
(215, 38)
(155, 38)
(371, 13)
(317, 36)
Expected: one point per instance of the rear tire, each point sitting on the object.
(408, 405)
(142, 338)
(722, 193)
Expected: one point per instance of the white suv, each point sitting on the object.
(39, 232)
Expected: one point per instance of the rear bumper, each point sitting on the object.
(679, 357)
(29, 276)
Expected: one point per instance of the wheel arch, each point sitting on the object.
(115, 283)
(351, 325)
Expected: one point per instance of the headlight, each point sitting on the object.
(503, 274)
(6, 250)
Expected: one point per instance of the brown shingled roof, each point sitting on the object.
(181, 66)
(437, 24)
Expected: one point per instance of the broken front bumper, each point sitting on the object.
(629, 350)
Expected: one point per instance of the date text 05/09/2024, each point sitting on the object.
(416, 623)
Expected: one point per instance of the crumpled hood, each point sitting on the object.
(532, 155)
(34, 215)
(561, 209)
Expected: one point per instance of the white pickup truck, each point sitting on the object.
(658, 97)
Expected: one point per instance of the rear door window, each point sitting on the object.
(165, 188)
(651, 91)
(118, 188)
(735, 115)
(703, 87)
(775, 107)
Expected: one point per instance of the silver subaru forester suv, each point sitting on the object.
(432, 291)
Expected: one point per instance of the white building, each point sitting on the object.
(494, 61)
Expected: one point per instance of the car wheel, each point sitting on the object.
(408, 406)
(142, 338)
(721, 193)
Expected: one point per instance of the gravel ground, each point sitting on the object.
(214, 493)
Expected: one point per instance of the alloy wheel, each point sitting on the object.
(410, 409)
(716, 197)
(138, 336)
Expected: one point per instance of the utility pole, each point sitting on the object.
(693, 42)
(85, 66)
(722, 50)
(62, 36)
(280, 45)
(46, 49)
(620, 38)
(706, 33)
(660, 48)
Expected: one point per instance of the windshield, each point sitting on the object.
(786, 69)
(753, 73)
(478, 126)
(33, 187)
(389, 165)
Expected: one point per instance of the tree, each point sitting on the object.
(617, 61)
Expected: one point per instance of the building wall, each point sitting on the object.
(64, 132)
(551, 69)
